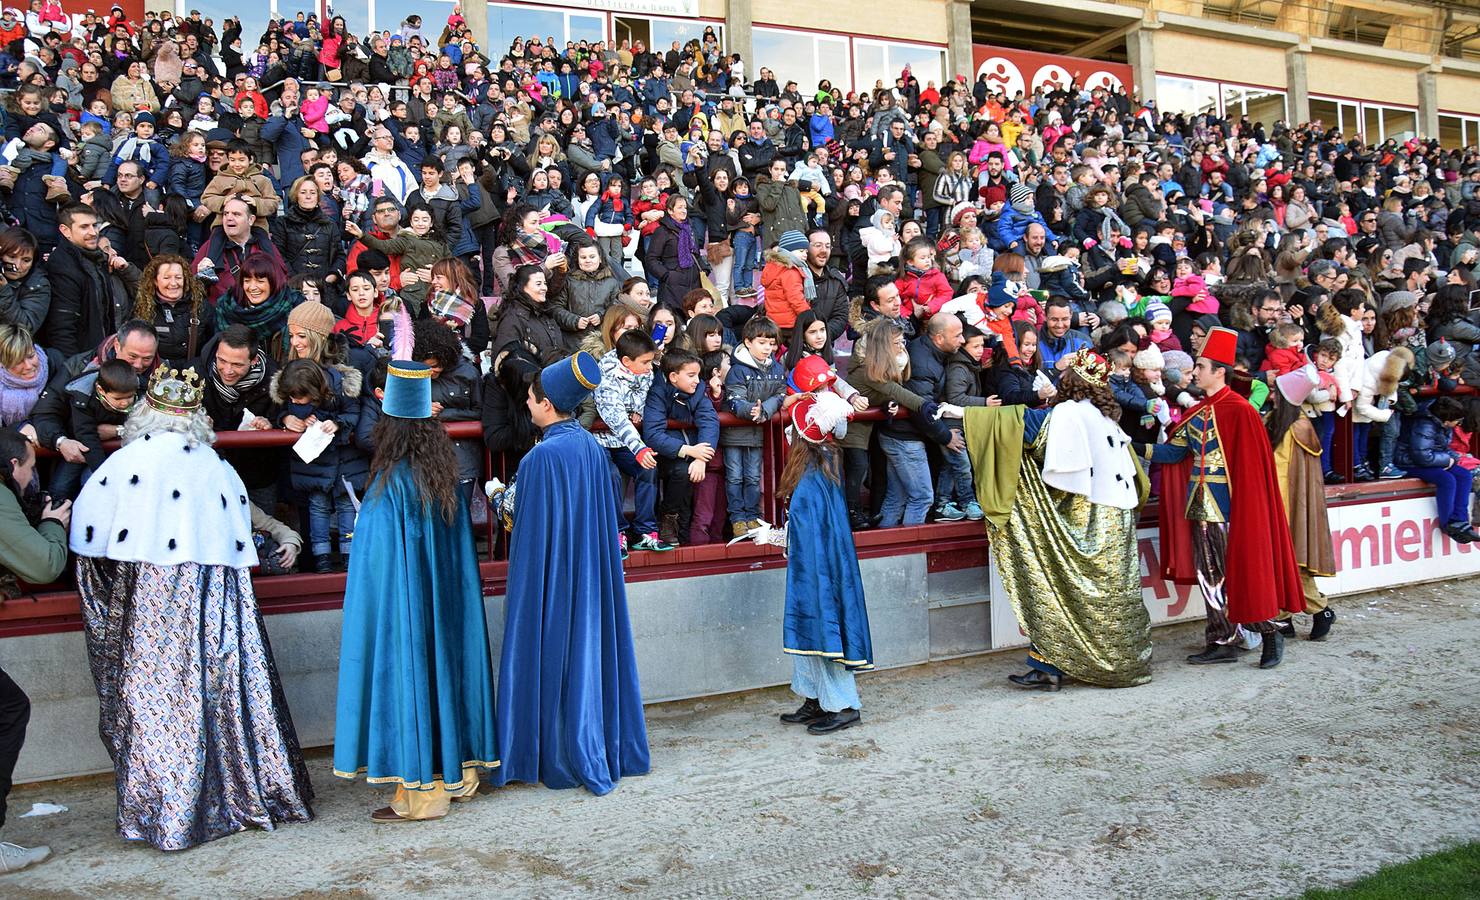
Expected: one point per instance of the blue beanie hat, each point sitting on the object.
(1002, 292)
(567, 382)
(793, 241)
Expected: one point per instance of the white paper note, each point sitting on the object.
(312, 443)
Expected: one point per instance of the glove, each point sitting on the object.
(1163, 413)
(949, 411)
(1186, 400)
(1155, 406)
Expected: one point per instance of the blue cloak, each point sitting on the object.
(415, 675)
(569, 707)
(825, 611)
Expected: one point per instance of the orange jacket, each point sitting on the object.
(785, 292)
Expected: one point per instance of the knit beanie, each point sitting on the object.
(793, 241)
(1441, 353)
(311, 315)
(1149, 359)
(1156, 309)
(1002, 292)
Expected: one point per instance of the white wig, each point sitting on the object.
(144, 419)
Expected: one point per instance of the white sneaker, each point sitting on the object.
(14, 857)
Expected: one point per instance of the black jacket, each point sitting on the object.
(88, 302)
(927, 379)
(71, 408)
(832, 301)
(258, 466)
(309, 241)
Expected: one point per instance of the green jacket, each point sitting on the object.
(35, 555)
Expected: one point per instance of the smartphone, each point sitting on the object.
(660, 331)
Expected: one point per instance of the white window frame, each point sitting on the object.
(565, 11)
(938, 77)
(809, 87)
(1343, 104)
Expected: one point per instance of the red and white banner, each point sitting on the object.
(1166, 602)
(1012, 70)
(1387, 543)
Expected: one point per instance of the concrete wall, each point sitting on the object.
(1458, 92)
(1363, 79)
(903, 20)
(693, 637)
(1200, 56)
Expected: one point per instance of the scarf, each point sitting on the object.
(686, 249)
(137, 149)
(255, 373)
(18, 395)
(265, 319)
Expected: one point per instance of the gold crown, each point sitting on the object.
(1091, 367)
(174, 392)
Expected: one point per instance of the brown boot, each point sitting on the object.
(668, 529)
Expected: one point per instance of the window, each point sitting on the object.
(507, 21)
(1186, 95)
(1259, 104)
(1458, 131)
(801, 57)
(1372, 121)
(387, 15)
(884, 61)
(1340, 114)
(1399, 123)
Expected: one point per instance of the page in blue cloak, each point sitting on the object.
(415, 672)
(825, 611)
(569, 707)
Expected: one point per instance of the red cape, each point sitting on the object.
(1262, 576)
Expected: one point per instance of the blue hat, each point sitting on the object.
(408, 390)
(793, 241)
(568, 382)
(1003, 291)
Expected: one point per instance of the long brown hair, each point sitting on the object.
(425, 446)
(803, 455)
(146, 301)
(1072, 387)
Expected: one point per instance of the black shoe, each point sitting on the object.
(1334, 478)
(1287, 628)
(809, 712)
(1215, 653)
(1322, 624)
(1274, 650)
(1037, 679)
(323, 564)
(1364, 474)
(1460, 532)
(835, 722)
(858, 521)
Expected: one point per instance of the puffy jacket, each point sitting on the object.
(963, 386)
(26, 303)
(534, 326)
(585, 294)
(674, 281)
(309, 241)
(72, 409)
(781, 208)
(621, 393)
(929, 289)
(665, 403)
(785, 287)
(1424, 443)
(748, 383)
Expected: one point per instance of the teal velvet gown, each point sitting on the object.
(415, 676)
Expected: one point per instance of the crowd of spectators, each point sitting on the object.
(267, 208)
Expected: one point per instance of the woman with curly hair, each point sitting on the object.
(173, 300)
(1060, 488)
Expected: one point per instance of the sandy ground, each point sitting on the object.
(1211, 782)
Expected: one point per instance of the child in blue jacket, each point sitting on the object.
(755, 390)
(312, 394)
(683, 453)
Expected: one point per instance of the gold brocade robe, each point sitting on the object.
(1069, 566)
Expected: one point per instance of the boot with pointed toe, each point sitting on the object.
(1287, 628)
(1274, 650)
(1321, 624)
(809, 712)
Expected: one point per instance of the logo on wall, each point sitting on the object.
(1002, 75)
(1105, 80)
(1052, 76)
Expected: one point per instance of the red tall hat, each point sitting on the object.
(1221, 346)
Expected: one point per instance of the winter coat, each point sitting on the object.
(188, 179)
(663, 264)
(25, 303)
(621, 393)
(252, 183)
(928, 289)
(88, 300)
(781, 208)
(1423, 443)
(665, 403)
(963, 384)
(1378, 390)
(172, 324)
(71, 408)
(928, 380)
(97, 153)
(531, 324)
(585, 294)
(832, 301)
(309, 241)
(784, 284)
(1348, 331)
(341, 459)
(750, 382)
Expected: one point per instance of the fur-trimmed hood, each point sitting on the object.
(1399, 360)
(1331, 322)
(351, 382)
